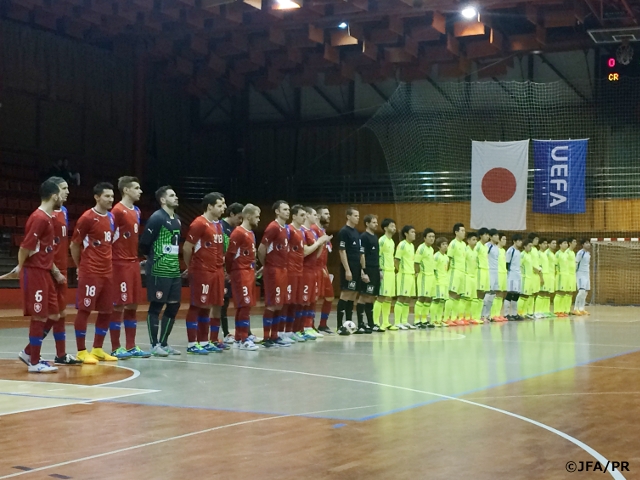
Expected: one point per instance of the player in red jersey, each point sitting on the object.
(293, 302)
(60, 221)
(91, 252)
(126, 270)
(240, 261)
(313, 250)
(203, 253)
(273, 255)
(325, 289)
(35, 265)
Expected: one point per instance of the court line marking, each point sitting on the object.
(136, 374)
(177, 437)
(594, 453)
(603, 366)
(555, 395)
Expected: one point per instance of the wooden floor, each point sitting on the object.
(499, 401)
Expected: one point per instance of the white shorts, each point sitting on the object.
(514, 282)
(584, 281)
(494, 281)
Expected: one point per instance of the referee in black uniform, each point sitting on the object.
(369, 291)
(351, 269)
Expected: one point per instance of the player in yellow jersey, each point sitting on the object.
(457, 273)
(485, 294)
(529, 284)
(442, 283)
(553, 274)
(426, 284)
(564, 266)
(406, 279)
(543, 300)
(386, 250)
(470, 296)
(573, 248)
(493, 301)
(537, 279)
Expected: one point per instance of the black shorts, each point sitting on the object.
(373, 287)
(354, 284)
(164, 290)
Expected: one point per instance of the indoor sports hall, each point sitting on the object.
(456, 217)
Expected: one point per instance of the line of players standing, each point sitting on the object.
(106, 244)
(455, 283)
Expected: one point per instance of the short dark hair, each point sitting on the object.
(543, 240)
(427, 231)
(585, 240)
(101, 187)
(234, 209)
(406, 229)
(570, 239)
(386, 222)
(483, 231)
(369, 217)
(493, 232)
(57, 180)
(440, 241)
(457, 227)
(211, 199)
(321, 207)
(562, 240)
(125, 182)
(472, 235)
(48, 188)
(296, 209)
(516, 237)
(533, 235)
(309, 210)
(526, 242)
(278, 204)
(350, 210)
(162, 191)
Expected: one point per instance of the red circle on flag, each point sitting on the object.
(498, 185)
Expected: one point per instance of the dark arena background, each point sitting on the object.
(373, 106)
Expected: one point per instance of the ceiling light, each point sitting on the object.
(343, 25)
(285, 5)
(469, 12)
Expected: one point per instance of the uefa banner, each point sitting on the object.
(559, 180)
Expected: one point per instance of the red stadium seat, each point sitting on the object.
(21, 221)
(26, 205)
(13, 204)
(10, 221)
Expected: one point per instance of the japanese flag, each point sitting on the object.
(499, 173)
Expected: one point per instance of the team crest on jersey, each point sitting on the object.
(126, 234)
(48, 249)
(305, 298)
(203, 299)
(123, 297)
(247, 300)
(158, 295)
(37, 307)
(370, 289)
(352, 284)
(87, 302)
(208, 244)
(56, 240)
(96, 243)
(245, 253)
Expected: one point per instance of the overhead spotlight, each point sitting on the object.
(469, 12)
(343, 25)
(285, 5)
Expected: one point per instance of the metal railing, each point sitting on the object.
(443, 187)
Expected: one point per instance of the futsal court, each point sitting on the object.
(514, 400)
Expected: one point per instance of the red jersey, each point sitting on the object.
(61, 239)
(38, 237)
(311, 260)
(326, 249)
(296, 250)
(208, 238)
(241, 254)
(276, 239)
(95, 232)
(125, 238)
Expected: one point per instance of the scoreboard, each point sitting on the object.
(614, 70)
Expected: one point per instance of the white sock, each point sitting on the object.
(581, 300)
(514, 307)
(486, 304)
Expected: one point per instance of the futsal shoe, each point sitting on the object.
(170, 350)
(42, 367)
(474, 322)
(247, 346)
(584, 312)
(409, 326)
(284, 338)
(268, 344)
(317, 332)
(212, 348)
(429, 325)
(25, 358)
(343, 332)
(393, 328)
(196, 350)
(298, 337)
(326, 330)
(402, 326)
(121, 354)
(158, 351)
(361, 330)
(67, 359)
(87, 358)
(378, 329)
(100, 354)
(230, 339)
(254, 339)
(577, 313)
(481, 321)
(137, 352)
(281, 343)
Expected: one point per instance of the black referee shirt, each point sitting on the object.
(349, 241)
(369, 244)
